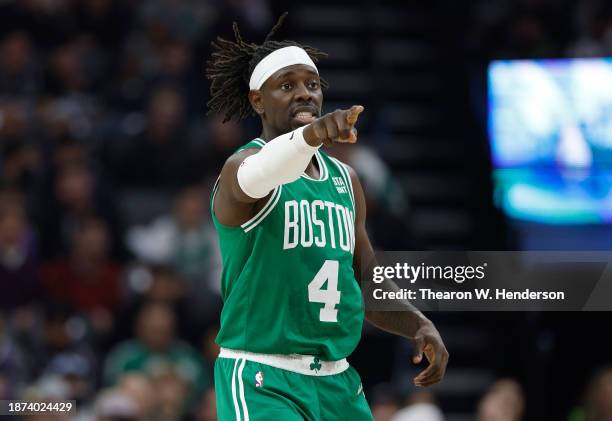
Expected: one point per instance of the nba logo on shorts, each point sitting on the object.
(259, 379)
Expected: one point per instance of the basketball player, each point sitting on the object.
(291, 226)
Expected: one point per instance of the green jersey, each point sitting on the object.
(288, 285)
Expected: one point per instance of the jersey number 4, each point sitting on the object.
(330, 296)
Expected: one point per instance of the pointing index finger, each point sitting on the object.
(353, 113)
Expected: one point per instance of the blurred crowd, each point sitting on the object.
(504, 400)
(540, 28)
(109, 265)
(108, 262)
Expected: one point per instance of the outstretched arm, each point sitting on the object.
(251, 174)
(410, 323)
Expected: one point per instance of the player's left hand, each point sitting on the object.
(428, 341)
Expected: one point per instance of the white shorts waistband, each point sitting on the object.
(302, 364)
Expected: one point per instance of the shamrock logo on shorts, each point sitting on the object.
(316, 366)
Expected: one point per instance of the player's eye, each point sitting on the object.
(313, 84)
(286, 86)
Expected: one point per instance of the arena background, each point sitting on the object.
(106, 163)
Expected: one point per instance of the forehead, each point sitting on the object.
(299, 70)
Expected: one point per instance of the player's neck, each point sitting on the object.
(268, 133)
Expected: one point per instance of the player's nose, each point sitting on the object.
(302, 93)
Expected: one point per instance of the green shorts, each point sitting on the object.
(252, 391)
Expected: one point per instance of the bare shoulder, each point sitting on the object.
(233, 161)
(352, 173)
(357, 191)
(231, 205)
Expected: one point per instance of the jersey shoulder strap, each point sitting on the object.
(343, 169)
(264, 211)
(255, 143)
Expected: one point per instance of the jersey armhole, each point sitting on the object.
(255, 220)
(263, 212)
(344, 172)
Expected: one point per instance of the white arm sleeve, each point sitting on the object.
(281, 161)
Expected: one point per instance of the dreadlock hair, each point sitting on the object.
(231, 65)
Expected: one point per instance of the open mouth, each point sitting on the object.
(305, 117)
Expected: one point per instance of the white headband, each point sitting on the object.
(277, 60)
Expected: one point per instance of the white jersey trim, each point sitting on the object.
(347, 178)
(263, 212)
(241, 388)
(322, 168)
(236, 409)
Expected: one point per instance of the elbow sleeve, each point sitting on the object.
(280, 161)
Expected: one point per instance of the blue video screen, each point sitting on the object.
(550, 131)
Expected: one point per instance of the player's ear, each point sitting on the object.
(256, 100)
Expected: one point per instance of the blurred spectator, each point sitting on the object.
(87, 278)
(167, 287)
(13, 122)
(224, 139)
(173, 391)
(61, 347)
(419, 412)
(76, 74)
(599, 397)
(253, 16)
(185, 240)
(174, 68)
(175, 62)
(594, 23)
(210, 349)
(66, 73)
(184, 20)
(48, 22)
(18, 72)
(51, 389)
(20, 167)
(76, 371)
(77, 198)
(13, 368)
(383, 401)
(19, 267)
(504, 401)
(113, 405)
(163, 154)
(208, 406)
(67, 152)
(140, 389)
(524, 29)
(155, 349)
(106, 20)
(160, 284)
(74, 189)
(420, 406)
(79, 116)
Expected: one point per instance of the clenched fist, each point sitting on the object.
(335, 127)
